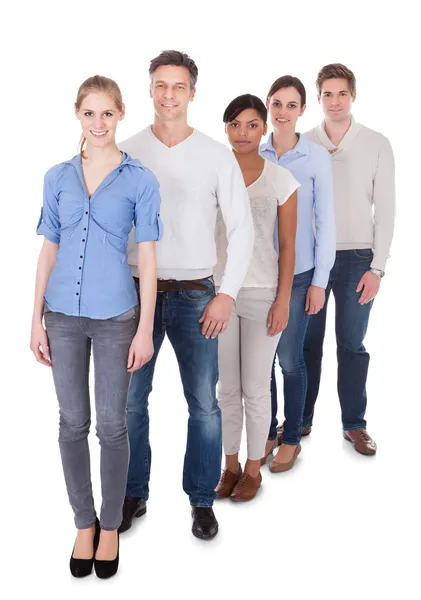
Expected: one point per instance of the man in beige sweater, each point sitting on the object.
(364, 198)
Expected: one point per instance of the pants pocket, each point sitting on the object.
(130, 315)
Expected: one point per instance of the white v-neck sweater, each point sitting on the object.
(196, 177)
(364, 189)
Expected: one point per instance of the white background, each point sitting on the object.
(339, 525)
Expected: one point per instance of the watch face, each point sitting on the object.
(378, 272)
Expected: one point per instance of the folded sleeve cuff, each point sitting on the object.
(149, 233)
(44, 230)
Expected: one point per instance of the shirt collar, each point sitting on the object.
(301, 147)
(76, 161)
(354, 129)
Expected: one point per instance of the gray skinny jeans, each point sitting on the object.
(70, 340)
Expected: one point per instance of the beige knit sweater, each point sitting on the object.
(364, 189)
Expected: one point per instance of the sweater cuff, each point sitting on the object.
(320, 277)
(379, 262)
(228, 290)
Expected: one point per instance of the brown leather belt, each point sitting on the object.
(174, 285)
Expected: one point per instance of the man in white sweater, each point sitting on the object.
(364, 198)
(196, 176)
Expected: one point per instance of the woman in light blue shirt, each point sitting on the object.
(85, 291)
(314, 251)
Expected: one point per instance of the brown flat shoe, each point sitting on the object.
(306, 430)
(362, 441)
(228, 482)
(264, 459)
(246, 488)
(280, 467)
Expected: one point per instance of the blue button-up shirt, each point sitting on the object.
(91, 277)
(311, 166)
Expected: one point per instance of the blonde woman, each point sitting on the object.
(86, 294)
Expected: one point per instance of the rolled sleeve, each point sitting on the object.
(49, 221)
(148, 224)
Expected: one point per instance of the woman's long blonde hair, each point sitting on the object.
(97, 83)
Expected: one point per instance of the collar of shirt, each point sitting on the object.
(351, 134)
(301, 147)
(126, 160)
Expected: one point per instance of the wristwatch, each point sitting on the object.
(377, 272)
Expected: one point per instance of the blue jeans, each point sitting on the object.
(177, 315)
(291, 359)
(351, 326)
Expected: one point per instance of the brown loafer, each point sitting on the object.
(228, 482)
(246, 488)
(306, 430)
(362, 441)
(280, 467)
(264, 459)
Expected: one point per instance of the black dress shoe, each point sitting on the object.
(132, 507)
(205, 525)
(105, 569)
(81, 567)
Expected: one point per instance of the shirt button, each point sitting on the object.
(120, 170)
(78, 282)
(86, 212)
(83, 240)
(80, 268)
(84, 229)
(81, 256)
(77, 293)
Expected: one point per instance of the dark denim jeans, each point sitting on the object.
(351, 326)
(291, 359)
(177, 315)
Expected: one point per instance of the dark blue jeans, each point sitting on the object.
(177, 315)
(291, 359)
(351, 326)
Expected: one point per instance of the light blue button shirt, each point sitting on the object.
(91, 277)
(311, 166)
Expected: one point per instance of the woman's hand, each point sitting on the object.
(278, 317)
(39, 343)
(315, 300)
(140, 352)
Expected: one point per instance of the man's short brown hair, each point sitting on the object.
(336, 71)
(176, 59)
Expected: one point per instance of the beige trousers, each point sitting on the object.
(245, 356)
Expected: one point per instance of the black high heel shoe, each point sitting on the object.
(107, 568)
(81, 567)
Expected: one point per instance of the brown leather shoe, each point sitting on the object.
(227, 482)
(362, 441)
(306, 430)
(246, 488)
(280, 467)
(264, 459)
